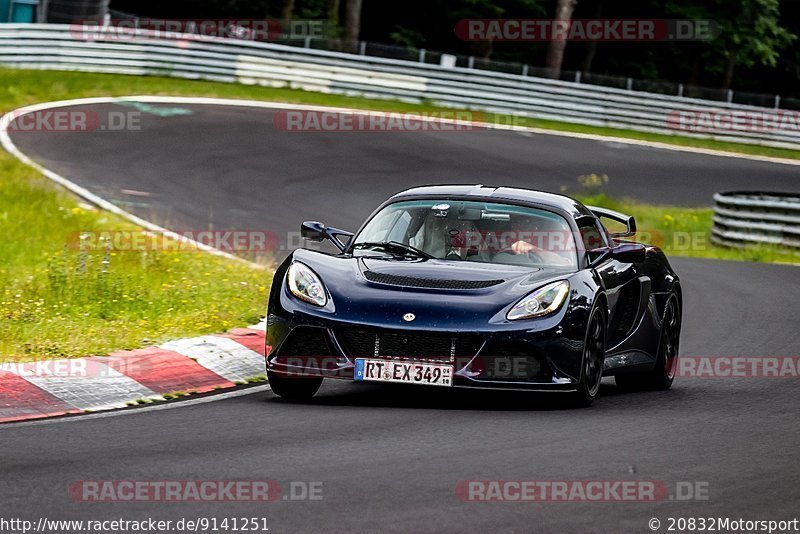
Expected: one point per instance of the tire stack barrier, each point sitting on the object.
(748, 218)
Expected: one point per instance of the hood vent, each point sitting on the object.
(428, 283)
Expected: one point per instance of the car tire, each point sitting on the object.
(592, 362)
(293, 389)
(662, 375)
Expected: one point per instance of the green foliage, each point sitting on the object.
(749, 31)
(57, 301)
(407, 38)
(756, 35)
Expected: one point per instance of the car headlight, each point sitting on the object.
(305, 284)
(543, 301)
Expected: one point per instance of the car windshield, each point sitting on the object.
(470, 231)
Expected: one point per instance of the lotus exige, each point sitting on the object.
(476, 287)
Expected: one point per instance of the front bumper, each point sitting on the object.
(523, 359)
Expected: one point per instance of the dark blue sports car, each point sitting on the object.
(476, 287)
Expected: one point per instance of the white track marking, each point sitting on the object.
(5, 139)
(8, 144)
(491, 126)
(99, 388)
(260, 326)
(221, 355)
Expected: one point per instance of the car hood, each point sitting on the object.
(376, 290)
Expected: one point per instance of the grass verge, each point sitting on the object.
(57, 301)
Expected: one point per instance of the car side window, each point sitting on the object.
(593, 237)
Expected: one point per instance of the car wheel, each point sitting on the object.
(663, 373)
(293, 389)
(594, 353)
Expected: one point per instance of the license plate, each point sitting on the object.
(430, 374)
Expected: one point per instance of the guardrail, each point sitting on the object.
(743, 218)
(63, 47)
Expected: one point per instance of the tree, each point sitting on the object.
(287, 12)
(494, 9)
(407, 38)
(748, 33)
(591, 46)
(352, 23)
(555, 50)
(333, 13)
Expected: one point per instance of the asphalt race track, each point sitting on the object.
(390, 458)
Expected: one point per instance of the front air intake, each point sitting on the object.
(413, 345)
(428, 283)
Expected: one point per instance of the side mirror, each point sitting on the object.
(312, 230)
(316, 231)
(627, 220)
(629, 253)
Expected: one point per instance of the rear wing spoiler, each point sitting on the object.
(627, 220)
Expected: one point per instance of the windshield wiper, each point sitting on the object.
(396, 247)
